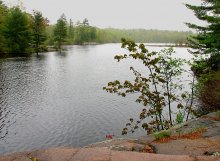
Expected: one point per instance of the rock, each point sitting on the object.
(148, 149)
(138, 147)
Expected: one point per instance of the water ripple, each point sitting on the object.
(57, 99)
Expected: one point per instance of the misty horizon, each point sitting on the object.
(170, 16)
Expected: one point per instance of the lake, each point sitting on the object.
(56, 99)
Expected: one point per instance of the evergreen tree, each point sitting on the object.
(71, 30)
(93, 34)
(17, 32)
(85, 32)
(85, 22)
(207, 41)
(79, 33)
(60, 31)
(3, 12)
(39, 24)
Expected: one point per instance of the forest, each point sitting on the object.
(23, 33)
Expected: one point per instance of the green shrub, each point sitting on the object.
(162, 134)
(179, 118)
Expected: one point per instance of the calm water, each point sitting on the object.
(57, 99)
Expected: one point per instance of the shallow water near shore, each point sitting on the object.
(56, 99)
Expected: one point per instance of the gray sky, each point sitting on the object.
(148, 14)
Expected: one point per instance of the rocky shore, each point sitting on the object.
(196, 140)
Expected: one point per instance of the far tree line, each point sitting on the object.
(22, 33)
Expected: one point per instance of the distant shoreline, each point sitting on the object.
(53, 49)
(167, 45)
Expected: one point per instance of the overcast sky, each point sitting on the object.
(148, 14)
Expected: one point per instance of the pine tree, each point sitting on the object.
(60, 31)
(207, 40)
(71, 30)
(17, 32)
(3, 13)
(39, 24)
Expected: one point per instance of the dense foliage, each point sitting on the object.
(142, 36)
(206, 48)
(84, 32)
(60, 31)
(207, 41)
(3, 13)
(39, 24)
(22, 33)
(17, 31)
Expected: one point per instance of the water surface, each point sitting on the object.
(56, 99)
